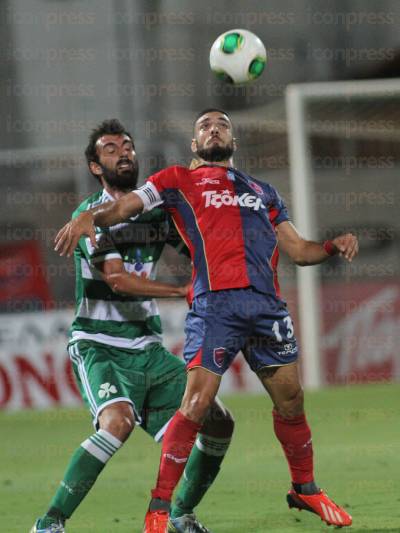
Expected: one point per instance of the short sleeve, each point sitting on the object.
(277, 209)
(166, 183)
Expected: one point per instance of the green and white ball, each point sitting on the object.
(238, 56)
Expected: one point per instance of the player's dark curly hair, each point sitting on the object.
(110, 126)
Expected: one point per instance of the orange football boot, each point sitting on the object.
(321, 505)
(155, 522)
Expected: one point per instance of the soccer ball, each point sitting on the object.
(238, 56)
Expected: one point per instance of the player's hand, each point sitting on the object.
(185, 290)
(347, 245)
(188, 293)
(68, 237)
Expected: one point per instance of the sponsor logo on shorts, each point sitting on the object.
(218, 199)
(106, 389)
(219, 356)
(288, 349)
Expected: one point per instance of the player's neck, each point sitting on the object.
(227, 163)
(114, 192)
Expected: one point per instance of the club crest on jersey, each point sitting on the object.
(218, 199)
(205, 181)
(219, 356)
(256, 187)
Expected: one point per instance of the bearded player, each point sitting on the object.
(234, 227)
(125, 375)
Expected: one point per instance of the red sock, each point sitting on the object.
(177, 444)
(295, 436)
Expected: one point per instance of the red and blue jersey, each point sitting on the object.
(227, 220)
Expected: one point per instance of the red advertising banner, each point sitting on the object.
(23, 285)
(361, 339)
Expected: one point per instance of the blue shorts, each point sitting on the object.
(222, 323)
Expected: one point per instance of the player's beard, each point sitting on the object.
(123, 180)
(216, 153)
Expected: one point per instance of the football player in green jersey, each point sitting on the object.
(125, 375)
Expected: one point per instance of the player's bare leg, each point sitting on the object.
(118, 419)
(219, 422)
(293, 432)
(283, 385)
(201, 390)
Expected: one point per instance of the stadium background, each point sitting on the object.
(67, 65)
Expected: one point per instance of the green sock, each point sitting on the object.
(201, 470)
(83, 469)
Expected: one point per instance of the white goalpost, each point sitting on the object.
(302, 179)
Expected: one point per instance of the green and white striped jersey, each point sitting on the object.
(102, 315)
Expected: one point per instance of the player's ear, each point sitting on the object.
(235, 144)
(193, 146)
(95, 168)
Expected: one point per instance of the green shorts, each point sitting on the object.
(152, 380)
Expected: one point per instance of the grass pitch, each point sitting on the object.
(356, 432)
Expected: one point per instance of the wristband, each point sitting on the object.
(329, 248)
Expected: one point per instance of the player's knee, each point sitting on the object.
(196, 406)
(118, 422)
(292, 405)
(120, 426)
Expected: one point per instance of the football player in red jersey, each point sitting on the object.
(233, 226)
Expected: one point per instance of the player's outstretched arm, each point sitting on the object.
(132, 285)
(122, 282)
(104, 215)
(304, 252)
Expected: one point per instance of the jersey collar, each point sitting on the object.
(106, 196)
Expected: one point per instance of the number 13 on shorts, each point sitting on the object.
(285, 327)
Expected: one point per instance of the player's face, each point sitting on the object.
(213, 137)
(118, 161)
